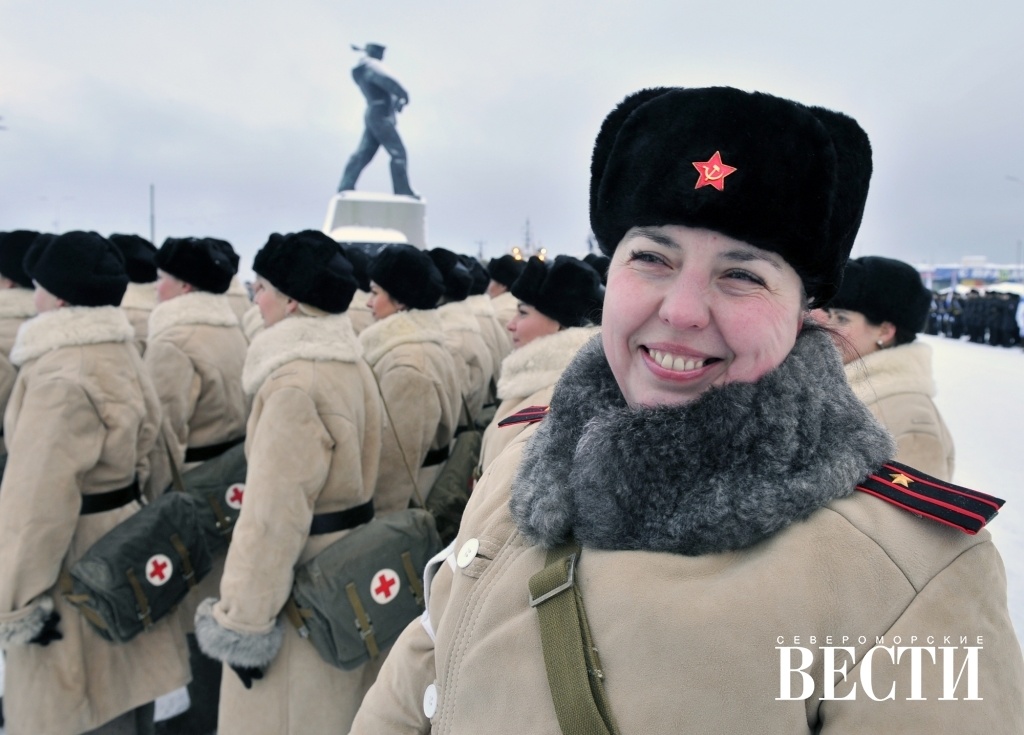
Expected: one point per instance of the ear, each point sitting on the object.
(887, 333)
(291, 306)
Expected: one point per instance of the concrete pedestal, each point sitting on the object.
(358, 216)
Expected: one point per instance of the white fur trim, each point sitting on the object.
(359, 301)
(70, 326)
(540, 363)
(17, 303)
(401, 328)
(140, 296)
(27, 625)
(458, 317)
(236, 288)
(252, 322)
(195, 307)
(298, 337)
(903, 369)
(480, 305)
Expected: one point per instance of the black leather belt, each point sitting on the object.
(435, 456)
(341, 520)
(102, 502)
(201, 454)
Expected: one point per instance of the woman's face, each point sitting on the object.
(274, 305)
(854, 335)
(169, 287)
(528, 324)
(687, 309)
(381, 303)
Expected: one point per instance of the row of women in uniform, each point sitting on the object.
(309, 398)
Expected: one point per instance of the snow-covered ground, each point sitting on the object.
(981, 397)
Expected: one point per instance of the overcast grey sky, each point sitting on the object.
(242, 114)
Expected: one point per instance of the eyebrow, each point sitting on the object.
(656, 236)
(745, 256)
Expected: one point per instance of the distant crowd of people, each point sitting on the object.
(991, 318)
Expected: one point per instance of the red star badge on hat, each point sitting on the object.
(712, 172)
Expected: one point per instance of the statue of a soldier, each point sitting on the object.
(384, 97)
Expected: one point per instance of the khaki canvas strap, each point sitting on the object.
(140, 598)
(363, 622)
(186, 560)
(78, 601)
(412, 577)
(574, 669)
(221, 518)
(401, 450)
(297, 616)
(176, 481)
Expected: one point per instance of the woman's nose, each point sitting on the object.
(686, 304)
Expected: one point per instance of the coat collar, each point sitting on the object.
(400, 328)
(458, 317)
(298, 337)
(70, 326)
(480, 305)
(539, 364)
(903, 369)
(195, 307)
(140, 296)
(746, 459)
(17, 303)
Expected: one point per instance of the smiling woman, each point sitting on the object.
(689, 500)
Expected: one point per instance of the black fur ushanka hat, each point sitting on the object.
(360, 261)
(566, 290)
(13, 248)
(139, 257)
(884, 290)
(206, 263)
(505, 269)
(773, 173)
(457, 278)
(478, 273)
(309, 267)
(81, 268)
(408, 275)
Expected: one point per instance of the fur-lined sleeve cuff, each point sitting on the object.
(23, 625)
(254, 650)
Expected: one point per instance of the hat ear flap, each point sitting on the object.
(605, 143)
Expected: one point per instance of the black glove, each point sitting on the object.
(49, 631)
(248, 674)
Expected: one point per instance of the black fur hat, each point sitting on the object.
(360, 261)
(457, 278)
(505, 270)
(309, 267)
(599, 263)
(204, 262)
(770, 172)
(408, 275)
(139, 257)
(884, 290)
(479, 274)
(13, 247)
(82, 268)
(567, 290)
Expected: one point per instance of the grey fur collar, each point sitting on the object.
(400, 328)
(196, 307)
(70, 326)
(17, 303)
(540, 363)
(299, 337)
(746, 459)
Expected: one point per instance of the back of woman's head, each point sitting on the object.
(885, 290)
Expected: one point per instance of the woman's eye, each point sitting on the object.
(645, 256)
(742, 275)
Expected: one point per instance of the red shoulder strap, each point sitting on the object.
(529, 415)
(928, 497)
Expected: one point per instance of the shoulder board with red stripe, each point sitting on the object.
(925, 496)
(529, 415)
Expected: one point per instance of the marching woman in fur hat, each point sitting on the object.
(503, 272)
(680, 540)
(80, 424)
(140, 297)
(491, 330)
(17, 304)
(416, 373)
(313, 446)
(462, 334)
(881, 307)
(558, 305)
(194, 355)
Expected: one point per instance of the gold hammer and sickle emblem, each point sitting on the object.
(712, 173)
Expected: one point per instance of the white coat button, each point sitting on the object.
(468, 553)
(430, 701)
